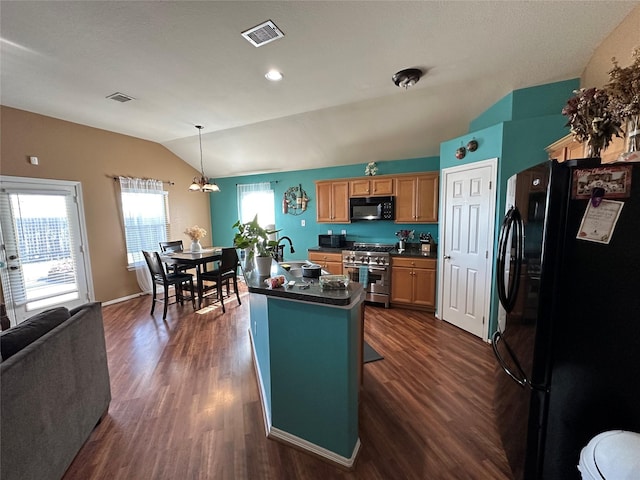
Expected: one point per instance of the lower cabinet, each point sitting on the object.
(413, 282)
(331, 262)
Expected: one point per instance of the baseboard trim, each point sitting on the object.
(274, 433)
(265, 415)
(302, 444)
(124, 299)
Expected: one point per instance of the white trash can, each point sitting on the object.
(612, 455)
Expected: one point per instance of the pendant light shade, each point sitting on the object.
(202, 184)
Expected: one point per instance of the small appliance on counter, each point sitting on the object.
(332, 241)
(311, 270)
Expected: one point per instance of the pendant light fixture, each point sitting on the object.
(202, 184)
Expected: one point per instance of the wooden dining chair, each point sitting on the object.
(174, 246)
(177, 280)
(226, 272)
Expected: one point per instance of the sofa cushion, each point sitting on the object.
(18, 337)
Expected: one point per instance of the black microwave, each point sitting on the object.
(332, 241)
(371, 208)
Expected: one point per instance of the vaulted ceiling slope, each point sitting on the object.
(186, 63)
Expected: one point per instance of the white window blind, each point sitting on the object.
(144, 213)
(256, 198)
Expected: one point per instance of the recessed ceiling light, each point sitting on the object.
(273, 75)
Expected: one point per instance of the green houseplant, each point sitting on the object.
(251, 237)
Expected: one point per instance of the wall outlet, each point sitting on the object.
(303, 223)
(344, 232)
(329, 232)
(33, 160)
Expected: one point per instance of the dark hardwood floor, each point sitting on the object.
(185, 402)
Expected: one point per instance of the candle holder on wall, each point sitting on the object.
(295, 201)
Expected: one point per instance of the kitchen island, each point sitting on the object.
(307, 350)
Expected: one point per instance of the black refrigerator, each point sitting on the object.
(568, 344)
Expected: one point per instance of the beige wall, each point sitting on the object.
(69, 151)
(619, 44)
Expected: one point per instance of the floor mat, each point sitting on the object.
(369, 354)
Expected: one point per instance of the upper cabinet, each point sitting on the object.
(417, 198)
(567, 149)
(371, 187)
(332, 201)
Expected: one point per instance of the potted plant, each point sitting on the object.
(403, 236)
(195, 233)
(251, 237)
(591, 120)
(624, 94)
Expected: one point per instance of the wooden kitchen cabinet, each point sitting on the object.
(413, 282)
(331, 262)
(371, 187)
(332, 201)
(568, 149)
(417, 198)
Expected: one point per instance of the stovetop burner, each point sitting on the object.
(371, 247)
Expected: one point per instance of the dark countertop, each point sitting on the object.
(313, 294)
(415, 252)
(411, 252)
(327, 249)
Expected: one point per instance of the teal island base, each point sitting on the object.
(308, 358)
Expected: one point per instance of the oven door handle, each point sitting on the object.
(379, 269)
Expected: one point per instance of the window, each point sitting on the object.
(144, 212)
(256, 198)
(44, 236)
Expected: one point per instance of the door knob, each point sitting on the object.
(447, 257)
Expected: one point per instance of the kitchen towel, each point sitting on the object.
(363, 275)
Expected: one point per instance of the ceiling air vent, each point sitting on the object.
(120, 97)
(262, 34)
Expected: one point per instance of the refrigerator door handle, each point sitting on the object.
(512, 224)
(519, 377)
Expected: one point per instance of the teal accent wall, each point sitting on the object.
(489, 140)
(538, 101)
(529, 120)
(497, 113)
(224, 206)
(543, 100)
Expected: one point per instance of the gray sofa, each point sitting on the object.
(54, 389)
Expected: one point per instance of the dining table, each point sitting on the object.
(194, 260)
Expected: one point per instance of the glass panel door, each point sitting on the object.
(41, 234)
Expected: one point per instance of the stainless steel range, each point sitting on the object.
(369, 264)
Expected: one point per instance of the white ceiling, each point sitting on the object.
(186, 63)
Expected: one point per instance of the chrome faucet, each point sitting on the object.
(279, 250)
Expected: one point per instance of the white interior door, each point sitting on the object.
(44, 255)
(466, 245)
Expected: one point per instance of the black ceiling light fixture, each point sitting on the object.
(407, 78)
(202, 184)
